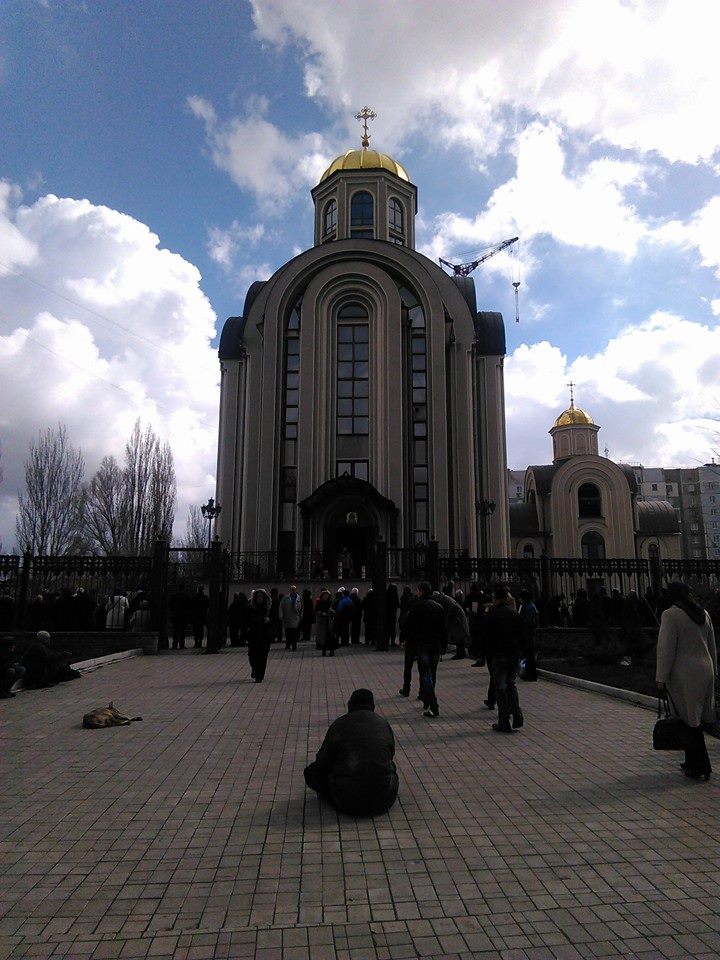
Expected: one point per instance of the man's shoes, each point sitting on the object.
(458, 656)
(502, 727)
(489, 704)
(518, 722)
(431, 712)
(404, 693)
(478, 663)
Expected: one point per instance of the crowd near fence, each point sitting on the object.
(27, 582)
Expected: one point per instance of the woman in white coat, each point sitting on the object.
(686, 666)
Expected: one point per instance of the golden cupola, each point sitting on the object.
(574, 433)
(365, 195)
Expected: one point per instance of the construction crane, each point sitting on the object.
(465, 269)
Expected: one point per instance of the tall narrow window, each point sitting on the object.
(396, 221)
(417, 394)
(291, 411)
(589, 503)
(330, 221)
(353, 371)
(362, 216)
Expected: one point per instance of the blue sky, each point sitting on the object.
(157, 158)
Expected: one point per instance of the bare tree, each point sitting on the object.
(130, 507)
(195, 530)
(50, 510)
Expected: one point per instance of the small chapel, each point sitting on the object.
(585, 506)
(362, 393)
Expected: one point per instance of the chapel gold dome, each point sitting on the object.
(365, 159)
(573, 416)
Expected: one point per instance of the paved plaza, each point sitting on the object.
(190, 835)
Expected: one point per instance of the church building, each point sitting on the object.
(586, 506)
(362, 392)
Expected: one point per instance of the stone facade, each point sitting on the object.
(362, 392)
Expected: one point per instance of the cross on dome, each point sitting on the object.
(572, 396)
(364, 115)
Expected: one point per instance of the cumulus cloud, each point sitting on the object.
(587, 209)
(225, 243)
(701, 231)
(258, 156)
(651, 389)
(101, 325)
(638, 75)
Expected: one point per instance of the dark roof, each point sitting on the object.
(466, 286)
(233, 332)
(523, 519)
(544, 474)
(490, 334)
(657, 517)
(347, 486)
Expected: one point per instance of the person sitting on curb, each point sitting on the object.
(45, 667)
(354, 767)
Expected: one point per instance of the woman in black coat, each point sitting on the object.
(258, 634)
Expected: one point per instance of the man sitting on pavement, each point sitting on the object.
(354, 767)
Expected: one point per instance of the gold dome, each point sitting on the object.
(573, 416)
(365, 159)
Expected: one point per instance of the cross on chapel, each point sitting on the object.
(364, 115)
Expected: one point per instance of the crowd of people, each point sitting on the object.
(69, 610)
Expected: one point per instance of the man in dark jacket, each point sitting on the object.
(425, 637)
(504, 642)
(354, 767)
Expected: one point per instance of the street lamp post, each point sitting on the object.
(210, 512)
(485, 509)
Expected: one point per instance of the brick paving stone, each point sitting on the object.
(191, 835)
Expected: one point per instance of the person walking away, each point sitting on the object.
(325, 638)
(258, 634)
(290, 614)
(425, 638)
(308, 616)
(356, 617)
(530, 619)
(504, 640)
(409, 655)
(456, 625)
(199, 606)
(344, 610)
(179, 615)
(687, 667)
(392, 605)
(354, 768)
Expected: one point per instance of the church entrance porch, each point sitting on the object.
(342, 519)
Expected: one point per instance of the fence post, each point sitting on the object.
(158, 591)
(432, 560)
(216, 619)
(22, 597)
(545, 582)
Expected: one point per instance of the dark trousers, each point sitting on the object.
(198, 634)
(355, 626)
(410, 659)
(291, 637)
(356, 796)
(342, 631)
(491, 698)
(529, 654)
(178, 634)
(427, 665)
(696, 757)
(258, 655)
(504, 671)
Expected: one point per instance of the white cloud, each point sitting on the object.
(639, 75)
(224, 244)
(702, 231)
(587, 210)
(258, 157)
(101, 325)
(652, 390)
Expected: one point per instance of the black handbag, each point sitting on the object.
(670, 732)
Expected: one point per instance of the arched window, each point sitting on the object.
(396, 221)
(353, 361)
(592, 546)
(362, 216)
(589, 503)
(528, 552)
(330, 220)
